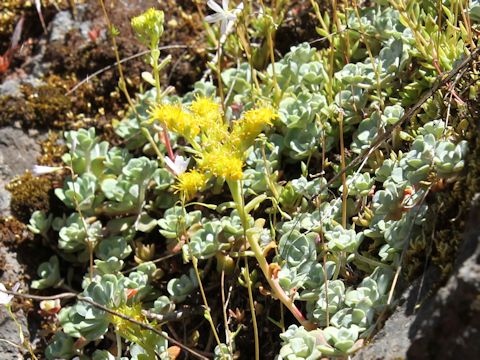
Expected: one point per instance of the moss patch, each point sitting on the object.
(29, 193)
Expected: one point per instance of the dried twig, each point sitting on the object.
(116, 63)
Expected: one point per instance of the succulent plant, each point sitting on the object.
(298, 343)
(359, 184)
(116, 246)
(342, 339)
(203, 243)
(176, 221)
(49, 273)
(73, 236)
(81, 193)
(340, 239)
(83, 319)
(60, 347)
(180, 288)
(127, 191)
(330, 299)
(281, 209)
(40, 223)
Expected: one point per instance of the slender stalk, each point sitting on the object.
(240, 202)
(155, 55)
(252, 309)
(24, 341)
(207, 315)
(122, 83)
(228, 337)
(204, 299)
(344, 175)
(236, 190)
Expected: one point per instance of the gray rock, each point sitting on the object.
(18, 152)
(8, 328)
(63, 22)
(10, 87)
(446, 324)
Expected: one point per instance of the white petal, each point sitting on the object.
(41, 169)
(225, 5)
(213, 18)
(179, 166)
(4, 297)
(240, 8)
(214, 6)
(223, 27)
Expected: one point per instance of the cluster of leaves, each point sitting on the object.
(337, 246)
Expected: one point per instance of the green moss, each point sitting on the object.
(51, 150)
(43, 106)
(29, 193)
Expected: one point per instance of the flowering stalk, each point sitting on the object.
(122, 83)
(149, 29)
(237, 195)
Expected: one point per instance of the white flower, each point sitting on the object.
(179, 166)
(42, 170)
(222, 14)
(4, 297)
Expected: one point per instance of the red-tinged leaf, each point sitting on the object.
(4, 63)
(131, 293)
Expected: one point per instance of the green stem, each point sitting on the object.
(236, 190)
(371, 261)
(118, 339)
(122, 83)
(208, 314)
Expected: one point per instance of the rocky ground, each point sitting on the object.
(430, 322)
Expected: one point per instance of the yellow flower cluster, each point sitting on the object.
(246, 130)
(149, 26)
(220, 150)
(189, 183)
(126, 328)
(221, 162)
(176, 120)
(207, 111)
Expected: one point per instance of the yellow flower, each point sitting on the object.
(207, 111)
(222, 162)
(246, 129)
(149, 26)
(189, 183)
(176, 119)
(126, 328)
